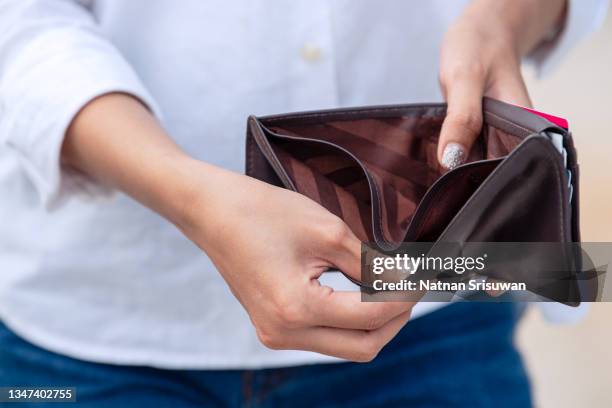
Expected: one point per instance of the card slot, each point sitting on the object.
(327, 189)
(383, 195)
(419, 164)
(446, 197)
(392, 186)
(386, 206)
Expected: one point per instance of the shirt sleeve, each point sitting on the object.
(583, 17)
(558, 313)
(54, 60)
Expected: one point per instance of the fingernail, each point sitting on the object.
(454, 155)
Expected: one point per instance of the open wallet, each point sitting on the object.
(376, 168)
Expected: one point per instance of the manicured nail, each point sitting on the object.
(454, 155)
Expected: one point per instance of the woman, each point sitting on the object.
(124, 120)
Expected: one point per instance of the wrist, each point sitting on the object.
(518, 25)
(177, 189)
(205, 199)
(497, 30)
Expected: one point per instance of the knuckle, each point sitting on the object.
(337, 232)
(376, 321)
(461, 71)
(270, 339)
(291, 314)
(466, 119)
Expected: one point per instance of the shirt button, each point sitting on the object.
(311, 53)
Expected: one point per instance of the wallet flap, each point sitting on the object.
(523, 199)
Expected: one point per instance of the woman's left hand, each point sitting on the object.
(481, 55)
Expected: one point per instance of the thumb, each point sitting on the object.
(463, 121)
(345, 254)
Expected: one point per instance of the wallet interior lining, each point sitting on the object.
(399, 155)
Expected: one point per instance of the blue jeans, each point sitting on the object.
(459, 356)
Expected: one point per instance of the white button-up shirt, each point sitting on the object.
(102, 278)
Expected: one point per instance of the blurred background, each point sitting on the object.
(571, 365)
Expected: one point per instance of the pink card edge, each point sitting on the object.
(559, 121)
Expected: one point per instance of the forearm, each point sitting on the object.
(522, 24)
(115, 140)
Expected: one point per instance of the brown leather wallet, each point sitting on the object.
(377, 169)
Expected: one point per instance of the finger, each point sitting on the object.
(463, 120)
(495, 293)
(511, 88)
(346, 310)
(345, 253)
(354, 345)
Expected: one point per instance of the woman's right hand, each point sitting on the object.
(271, 245)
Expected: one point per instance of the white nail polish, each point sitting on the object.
(453, 156)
